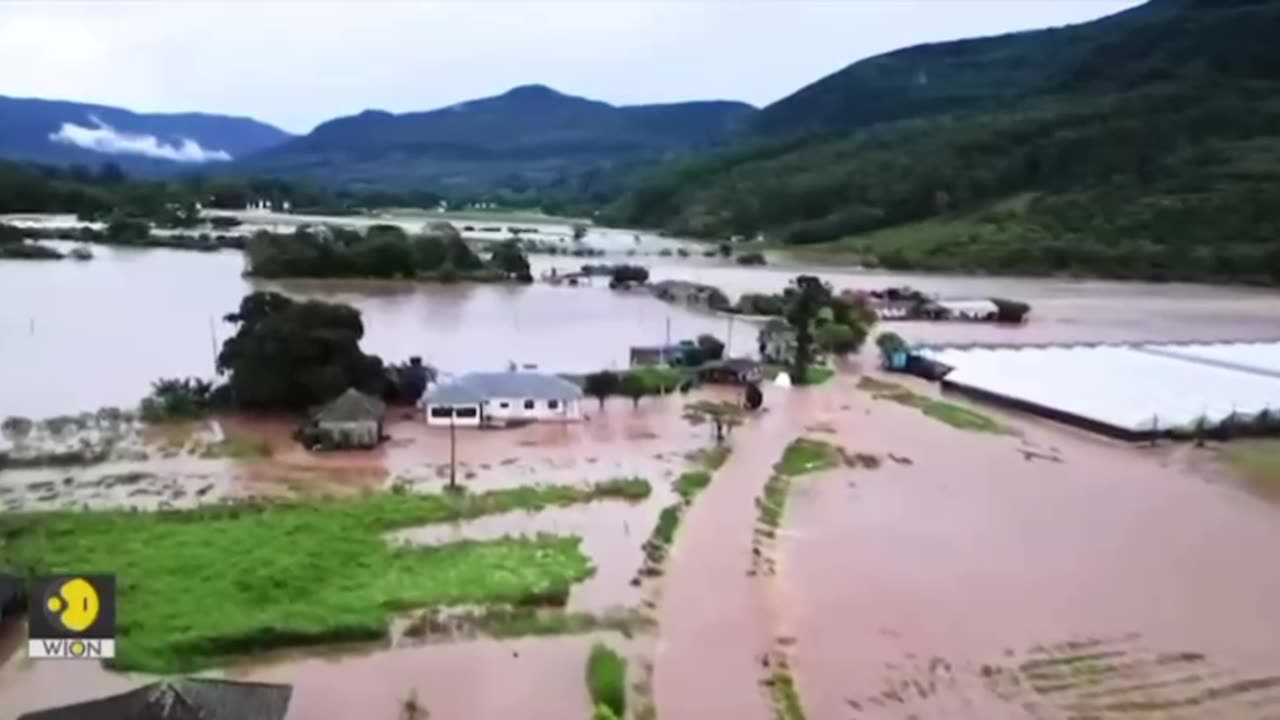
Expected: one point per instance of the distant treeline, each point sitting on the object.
(383, 251)
(103, 192)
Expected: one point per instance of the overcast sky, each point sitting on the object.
(295, 63)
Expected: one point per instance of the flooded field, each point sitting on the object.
(649, 441)
(1050, 575)
(1045, 574)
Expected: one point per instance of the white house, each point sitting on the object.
(499, 398)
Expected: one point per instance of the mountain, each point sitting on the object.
(1143, 144)
(528, 136)
(58, 132)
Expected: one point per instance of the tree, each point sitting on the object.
(722, 416)
(128, 231)
(408, 381)
(628, 274)
(10, 234)
(579, 231)
(633, 386)
(508, 258)
(890, 342)
(442, 229)
(711, 348)
(291, 355)
(177, 399)
(839, 338)
(806, 296)
(600, 385)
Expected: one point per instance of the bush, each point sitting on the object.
(177, 399)
(890, 342)
(607, 679)
(752, 258)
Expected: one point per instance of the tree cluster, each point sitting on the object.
(383, 251)
(294, 355)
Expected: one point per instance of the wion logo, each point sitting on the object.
(72, 617)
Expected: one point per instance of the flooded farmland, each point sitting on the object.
(1045, 574)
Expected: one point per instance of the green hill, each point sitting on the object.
(1145, 144)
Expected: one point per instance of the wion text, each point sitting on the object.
(71, 648)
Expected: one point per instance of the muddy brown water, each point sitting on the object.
(541, 678)
(130, 316)
(983, 582)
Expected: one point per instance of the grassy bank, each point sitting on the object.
(607, 682)
(806, 455)
(202, 586)
(786, 700)
(1258, 463)
(954, 415)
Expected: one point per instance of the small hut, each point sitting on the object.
(181, 699)
(352, 420)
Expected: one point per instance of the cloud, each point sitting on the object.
(105, 139)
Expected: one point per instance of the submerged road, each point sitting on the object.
(714, 619)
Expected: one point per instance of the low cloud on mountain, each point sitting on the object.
(105, 139)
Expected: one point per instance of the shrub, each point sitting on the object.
(890, 342)
(607, 680)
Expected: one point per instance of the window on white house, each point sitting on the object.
(441, 412)
(466, 412)
(553, 404)
(504, 404)
(528, 404)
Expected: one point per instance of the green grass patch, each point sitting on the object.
(607, 680)
(659, 379)
(956, 416)
(1258, 463)
(713, 458)
(201, 586)
(772, 502)
(806, 455)
(786, 699)
(818, 374)
(690, 483)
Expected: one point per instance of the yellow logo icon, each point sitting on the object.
(74, 605)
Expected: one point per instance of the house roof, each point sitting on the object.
(181, 699)
(474, 388)
(352, 406)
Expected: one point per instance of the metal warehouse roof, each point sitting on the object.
(1132, 387)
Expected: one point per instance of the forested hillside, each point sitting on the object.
(517, 142)
(1146, 144)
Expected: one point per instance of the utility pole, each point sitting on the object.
(453, 455)
(213, 344)
(667, 342)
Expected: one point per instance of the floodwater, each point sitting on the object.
(987, 580)
(76, 336)
(537, 678)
